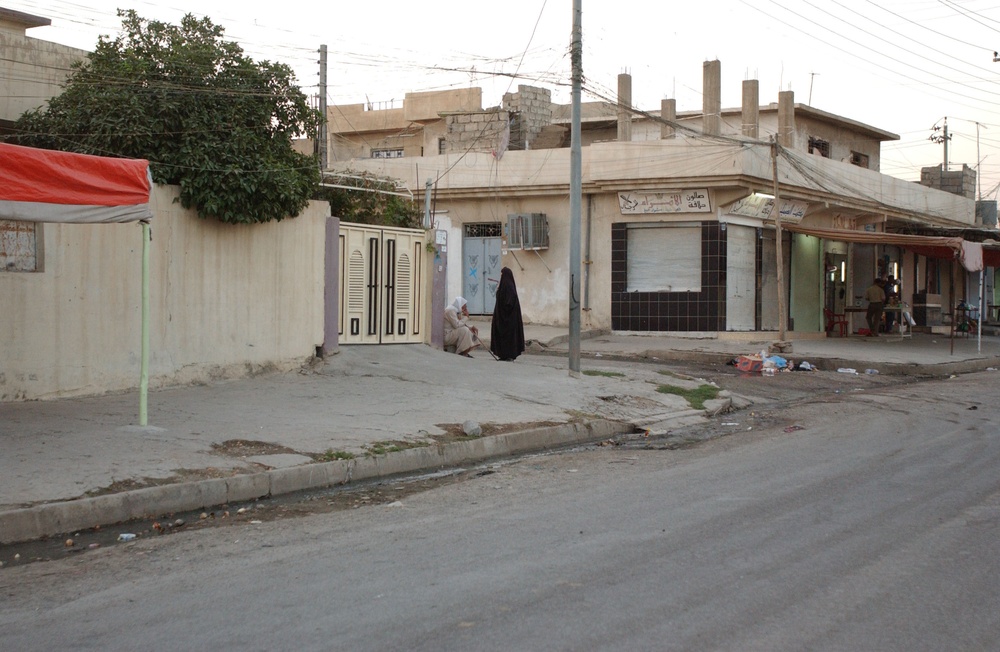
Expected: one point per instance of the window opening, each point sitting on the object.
(818, 146)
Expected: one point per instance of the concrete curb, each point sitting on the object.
(823, 364)
(910, 369)
(40, 521)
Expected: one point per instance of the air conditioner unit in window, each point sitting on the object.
(527, 231)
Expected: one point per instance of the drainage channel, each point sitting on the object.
(328, 500)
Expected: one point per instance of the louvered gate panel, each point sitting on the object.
(402, 279)
(379, 285)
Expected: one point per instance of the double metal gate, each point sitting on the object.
(481, 265)
(380, 284)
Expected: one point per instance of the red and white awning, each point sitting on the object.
(40, 185)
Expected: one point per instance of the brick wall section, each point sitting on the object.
(475, 132)
(957, 182)
(532, 111)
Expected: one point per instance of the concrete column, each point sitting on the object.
(786, 118)
(331, 288)
(668, 111)
(751, 108)
(624, 107)
(712, 98)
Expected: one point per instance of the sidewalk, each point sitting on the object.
(921, 354)
(71, 464)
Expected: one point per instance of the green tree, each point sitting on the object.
(375, 201)
(208, 118)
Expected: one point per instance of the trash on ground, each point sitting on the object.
(750, 363)
(126, 536)
(775, 361)
(805, 366)
(847, 370)
(871, 372)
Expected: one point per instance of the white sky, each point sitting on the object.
(899, 65)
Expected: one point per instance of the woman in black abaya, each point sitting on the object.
(507, 329)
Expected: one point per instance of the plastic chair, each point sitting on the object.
(834, 319)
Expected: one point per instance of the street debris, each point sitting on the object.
(847, 370)
(126, 536)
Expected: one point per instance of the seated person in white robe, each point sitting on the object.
(457, 331)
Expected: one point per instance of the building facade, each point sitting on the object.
(678, 210)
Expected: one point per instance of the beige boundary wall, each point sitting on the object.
(225, 301)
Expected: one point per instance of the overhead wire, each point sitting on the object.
(353, 58)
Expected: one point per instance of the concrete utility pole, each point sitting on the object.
(321, 134)
(942, 139)
(779, 254)
(575, 193)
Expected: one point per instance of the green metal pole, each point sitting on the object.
(144, 365)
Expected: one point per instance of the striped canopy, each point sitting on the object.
(40, 185)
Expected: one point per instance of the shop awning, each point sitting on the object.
(969, 253)
(40, 185)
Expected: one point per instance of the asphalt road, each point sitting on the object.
(868, 519)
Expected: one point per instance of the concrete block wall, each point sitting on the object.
(481, 131)
(532, 110)
(957, 182)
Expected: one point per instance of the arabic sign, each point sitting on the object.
(674, 201)
(761, 207)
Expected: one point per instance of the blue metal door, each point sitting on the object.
(481, 266)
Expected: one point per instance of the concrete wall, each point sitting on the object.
(958, 182)
(533, 107)
(355, 129)
(225, 301)
(31, 70)
(542, 293)
(476, 132)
